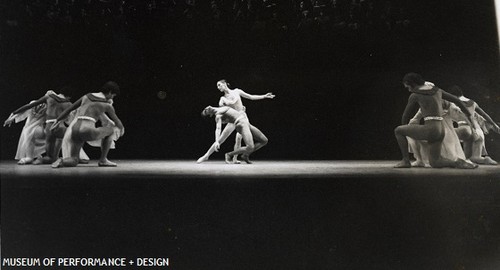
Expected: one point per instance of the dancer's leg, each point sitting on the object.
(249, 147)
(237, 144)
(417, 132)
(228, 129)
(105, 145)
(259, 139)
(72, 161)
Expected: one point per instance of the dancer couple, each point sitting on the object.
(232, 113)
(89, 109)
(442, 147)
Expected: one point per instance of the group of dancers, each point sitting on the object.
(43, 132)
(452, 133)
(438, 142)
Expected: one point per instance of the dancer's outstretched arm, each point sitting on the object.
(460, 104)
(23, 108)
(66, 112)
(255, 97)
(218, 130)
(488, 118)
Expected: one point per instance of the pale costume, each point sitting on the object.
(478, 121)
(32, 139)
(451, 147)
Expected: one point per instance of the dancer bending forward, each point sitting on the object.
(253, 138)
(429, 98)
(83, 129)
(231, 98)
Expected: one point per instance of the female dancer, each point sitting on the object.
(31, 143)
(474, 146)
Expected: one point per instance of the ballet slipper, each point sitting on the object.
(403, 164)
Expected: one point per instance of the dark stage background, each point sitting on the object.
(339, 95)
(337, 80)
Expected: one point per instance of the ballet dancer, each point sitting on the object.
(31, 143)
(474, 146)
(253, 138)
(90, 108)
(55, 105)
(231, 98)
(429, 98)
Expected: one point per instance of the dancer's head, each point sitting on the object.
(208, 111)
(412, 80)
(456, 90)
(222, 85)
(110, 89)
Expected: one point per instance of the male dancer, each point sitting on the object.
(231, 98)
(90, 108)
(55, 105)
(253, 138)
(429, 98)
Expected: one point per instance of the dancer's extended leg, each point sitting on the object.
(228, 129)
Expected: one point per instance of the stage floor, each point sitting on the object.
(259, 169)
(267, 215)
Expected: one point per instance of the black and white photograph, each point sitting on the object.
(250, 134)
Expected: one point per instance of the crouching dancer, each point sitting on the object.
(253, 138)
(429, 98)
(90, 108)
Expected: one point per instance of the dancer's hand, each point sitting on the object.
(497, 129)
(269, 95)
(9, 120)
(217, 146)
(414, 122)
(55, 125)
